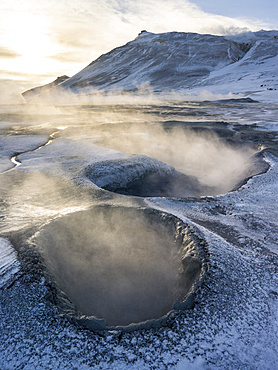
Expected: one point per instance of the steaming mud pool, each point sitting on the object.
(139, 237)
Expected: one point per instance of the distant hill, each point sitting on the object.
(45, 89)
(178, 61)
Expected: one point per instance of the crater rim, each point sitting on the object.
(69, 310)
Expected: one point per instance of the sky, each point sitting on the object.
(41, 40)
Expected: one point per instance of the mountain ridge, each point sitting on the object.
(177, 61)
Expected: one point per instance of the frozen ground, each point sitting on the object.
(9, 265)
(233, 322)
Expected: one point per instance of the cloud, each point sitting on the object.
(70, 35)
(66, 57)
(8, 53)
(94, 27)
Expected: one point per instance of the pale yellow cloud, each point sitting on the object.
(7, 53)
(94, 27)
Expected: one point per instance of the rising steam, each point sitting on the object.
(141, 130)
(217, 165)
(125, 265)
(121, 264)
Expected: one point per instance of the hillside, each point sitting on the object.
(178, 61)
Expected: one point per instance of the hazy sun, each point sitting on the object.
(28, 35)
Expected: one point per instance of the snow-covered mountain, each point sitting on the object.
(178, 61)
(254, 74)
(169, 60)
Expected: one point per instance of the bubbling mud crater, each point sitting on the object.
(142, 176)
(123, 265)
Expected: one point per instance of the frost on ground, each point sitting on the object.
(12, 145)
(9, 265)
(233, 324)
(241, 229)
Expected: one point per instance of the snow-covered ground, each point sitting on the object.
(233, 323)
(9, 265)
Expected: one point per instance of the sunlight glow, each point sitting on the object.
(40, 40)
(28, 35)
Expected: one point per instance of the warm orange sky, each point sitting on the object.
(40, 40)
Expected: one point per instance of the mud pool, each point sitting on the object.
(139, 236)
(123, 265)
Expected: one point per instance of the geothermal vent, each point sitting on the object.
(123, 265)
(143, 176)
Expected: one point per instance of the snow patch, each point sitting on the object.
(9, 265)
